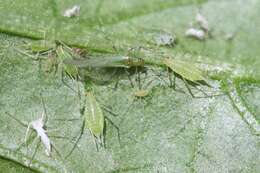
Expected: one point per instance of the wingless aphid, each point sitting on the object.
(94, 120)
(188, 72)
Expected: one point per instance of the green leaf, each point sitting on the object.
(167, 131)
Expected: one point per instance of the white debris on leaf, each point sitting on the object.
(72, 12)
(195, 33)
(164, 39)
(37, 125)
(202, 21)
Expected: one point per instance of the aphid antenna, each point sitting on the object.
(65, 119)
(34, 57)
(19, 121)
(64, 45)
(109, 110)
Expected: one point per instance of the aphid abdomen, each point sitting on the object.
(94, 115)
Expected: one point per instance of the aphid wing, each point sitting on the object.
(109, 61)
(186, 70)
(94, 115)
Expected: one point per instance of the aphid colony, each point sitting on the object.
(78, 65)
(59, 55)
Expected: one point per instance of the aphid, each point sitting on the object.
(202, 21)
(195, 33)
(72, 12)
(94, 120)
(186, 71)
(107, 61)
(141, 93)
(94, 117)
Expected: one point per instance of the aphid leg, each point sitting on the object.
(129, 78)
(94, 140)
(116, 127)
(159, 76)
(125, 113)
(206, 95)
(169, 77)
(44, 114)
(109, 110)
(76, 142)
(63, 138)
(138, 79)
(188, 87)
(102, 141)
(56, 150)
(116, 84)
(65, 83)
(174, 82)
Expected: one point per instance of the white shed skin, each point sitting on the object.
(37, 125)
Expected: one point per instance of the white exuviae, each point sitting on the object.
(195, 33)
(72, 12)
(37, 125)
(202, 21)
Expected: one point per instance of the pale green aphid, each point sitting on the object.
(186, 70)
(94, 117)
(94, 120)
(141, 93)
